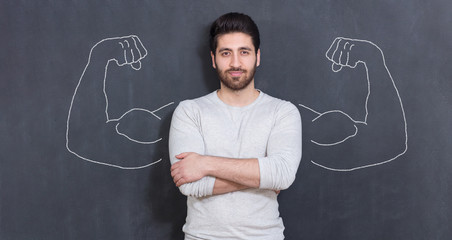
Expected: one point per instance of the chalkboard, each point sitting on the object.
(74, 167)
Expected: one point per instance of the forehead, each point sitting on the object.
(235, 40)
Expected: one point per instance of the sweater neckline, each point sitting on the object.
(243, 108)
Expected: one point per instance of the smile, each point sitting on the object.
(235, 73)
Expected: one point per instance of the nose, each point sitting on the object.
(235, 61)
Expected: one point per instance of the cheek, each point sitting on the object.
(219, 65)
(251, 63)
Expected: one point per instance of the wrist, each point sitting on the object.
(102, 51)
(373, 55)
(207, 165)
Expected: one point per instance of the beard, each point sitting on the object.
(236, 83)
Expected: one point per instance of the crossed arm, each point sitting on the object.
(231, 174)
(199, 175)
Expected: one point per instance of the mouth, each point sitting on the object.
(236, 73)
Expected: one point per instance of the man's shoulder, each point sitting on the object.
(195, 103)
(280, 110)
(279, 104)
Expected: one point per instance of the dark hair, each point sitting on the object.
(230, 23)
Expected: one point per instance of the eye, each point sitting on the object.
(225, 54)
(245, 52)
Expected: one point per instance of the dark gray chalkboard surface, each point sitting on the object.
(377, 158)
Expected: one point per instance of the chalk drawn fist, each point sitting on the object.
(347, 52)
(128, 50)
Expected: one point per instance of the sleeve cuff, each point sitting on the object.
(210, 183)
(264, 173)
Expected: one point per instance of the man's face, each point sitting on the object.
(235, 60)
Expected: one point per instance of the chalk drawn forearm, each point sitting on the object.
(377, 137)
(89, 124)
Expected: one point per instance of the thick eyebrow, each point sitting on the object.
(245, 48)
(228, 49)
(224, 49)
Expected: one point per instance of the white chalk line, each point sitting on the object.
(139, 109)
(337, 40)
(343, 140)
(107, 103)
(339, 142)
(312, 110)
(361, 167)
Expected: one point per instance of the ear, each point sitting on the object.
(213, 60)
(258, 57)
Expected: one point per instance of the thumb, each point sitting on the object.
(136, 65)
(336, 67)
(181, 155)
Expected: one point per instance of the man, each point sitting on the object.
(234, 149)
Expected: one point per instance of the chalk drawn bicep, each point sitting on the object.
(340, 143)
(333, 127)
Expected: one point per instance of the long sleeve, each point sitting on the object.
(279, 167)
(185, 136)
(268, 129)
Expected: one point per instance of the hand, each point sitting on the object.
(346, 52)
(190, 168)
(128, 50)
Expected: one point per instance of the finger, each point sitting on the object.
(343, 60)
(335, 67)
(181, 155)
(177, 182)
(347, 59)
(352, 59)
(176, 179)
(174, 166)
(180, 182)
(128, 55)
(128, 46)
(338, 52)
(121, 60)
(140, 47)
(135, 54)
(126, 42)
(136, 65)
(332, 49)
(136, 51)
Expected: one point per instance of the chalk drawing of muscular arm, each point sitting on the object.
(342, 143)
(92, 134)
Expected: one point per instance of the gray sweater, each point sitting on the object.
(268, 129)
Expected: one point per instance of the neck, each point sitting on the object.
(238, 98)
